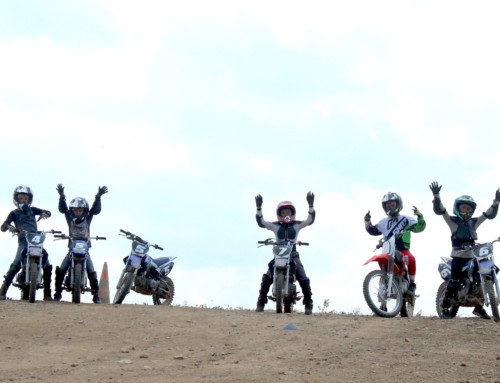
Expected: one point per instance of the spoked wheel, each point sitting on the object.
(280, 281)
(375, 286)
(77, 283)
(439, 302)
(124, 287)
(288, 306)
(167, 292)
(33, 281)
(490, 290)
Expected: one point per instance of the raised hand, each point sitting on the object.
(258, 201)
(417, 212)
(60, 190)
(497, 195)
(435, 187)
(368, 217)
(102, 190)
(310, 199)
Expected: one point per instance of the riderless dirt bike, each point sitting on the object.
(282, 269)
(30, 278)
(386, 290)
(479, 284)
(76, 277)
(144, 274)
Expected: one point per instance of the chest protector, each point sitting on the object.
(79, 230)
(465, 232)
(286, 232)
(25, 219)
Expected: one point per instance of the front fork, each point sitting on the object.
(287, 280)
(72, 273)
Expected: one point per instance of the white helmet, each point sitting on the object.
(22, 190)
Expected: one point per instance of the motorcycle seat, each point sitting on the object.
(161, 261)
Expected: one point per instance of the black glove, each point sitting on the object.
(60, 190)
(4, 227)
(497, 195)
(45, 214)
(435, 187)
(368, 217)
(417, 212)
(258, 201)
(310, 199)
(8, 227)
(102, 190)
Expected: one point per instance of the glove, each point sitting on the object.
(497, 195)
(4, 227)
(310, 199)
(102, 190)
(60, 190)
(435, 187)
(368, 217)
(46, 214)
(417, 212)
(258, 201)
(8, 227)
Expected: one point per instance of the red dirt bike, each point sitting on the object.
(386, 290)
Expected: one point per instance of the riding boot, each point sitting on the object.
(47, 280)
(264, 289)
(60, 273)
(8, 278)
(305, 286)
(94, 285)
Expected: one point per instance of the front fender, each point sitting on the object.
(382, 260)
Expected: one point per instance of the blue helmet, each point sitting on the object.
(464, 200)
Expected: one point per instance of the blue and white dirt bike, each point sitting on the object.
(282, 269)
(144, 274)
(29, 279)
(479, 284)
(76, 279)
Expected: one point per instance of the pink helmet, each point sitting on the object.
(285, 205)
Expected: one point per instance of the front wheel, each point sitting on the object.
(280, 282)
(167, 292)
(77, 283)
(33, 281)
(375, 287)
(490, 290)
(439, 302)
(124, 287)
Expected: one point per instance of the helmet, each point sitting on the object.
(285, 205)
(82, 203)
(390, 196)
(467, 200)
(22, 190)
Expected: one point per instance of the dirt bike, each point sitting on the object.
(30, 278)
(386, 290)
(144, 274)
(76, 277)
(282, 269)
(479, 284)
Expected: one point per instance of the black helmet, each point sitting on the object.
(81, 203)
(464, 200)
(22, 190)
(390, 196)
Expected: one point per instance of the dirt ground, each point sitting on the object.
(64, 342)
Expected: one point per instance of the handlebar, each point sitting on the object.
(271, 241)
(64, 236)
(133, 237)
(54, 232)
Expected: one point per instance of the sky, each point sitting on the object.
(187, 110)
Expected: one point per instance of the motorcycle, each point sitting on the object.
(479, 284)
(144, 274)
(76, 277)
(282, 269)
(30, 278)
(386, 290)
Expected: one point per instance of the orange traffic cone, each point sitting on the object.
(104, 284)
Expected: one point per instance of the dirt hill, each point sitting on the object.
(64, 342)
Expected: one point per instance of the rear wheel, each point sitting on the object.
(375, 286)
(77, 283)
(167, 292)
(124, 287)
(280, 281)
(288, 306)
(408, 307)
(33, 281)
(439, 302)
(490, 290)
